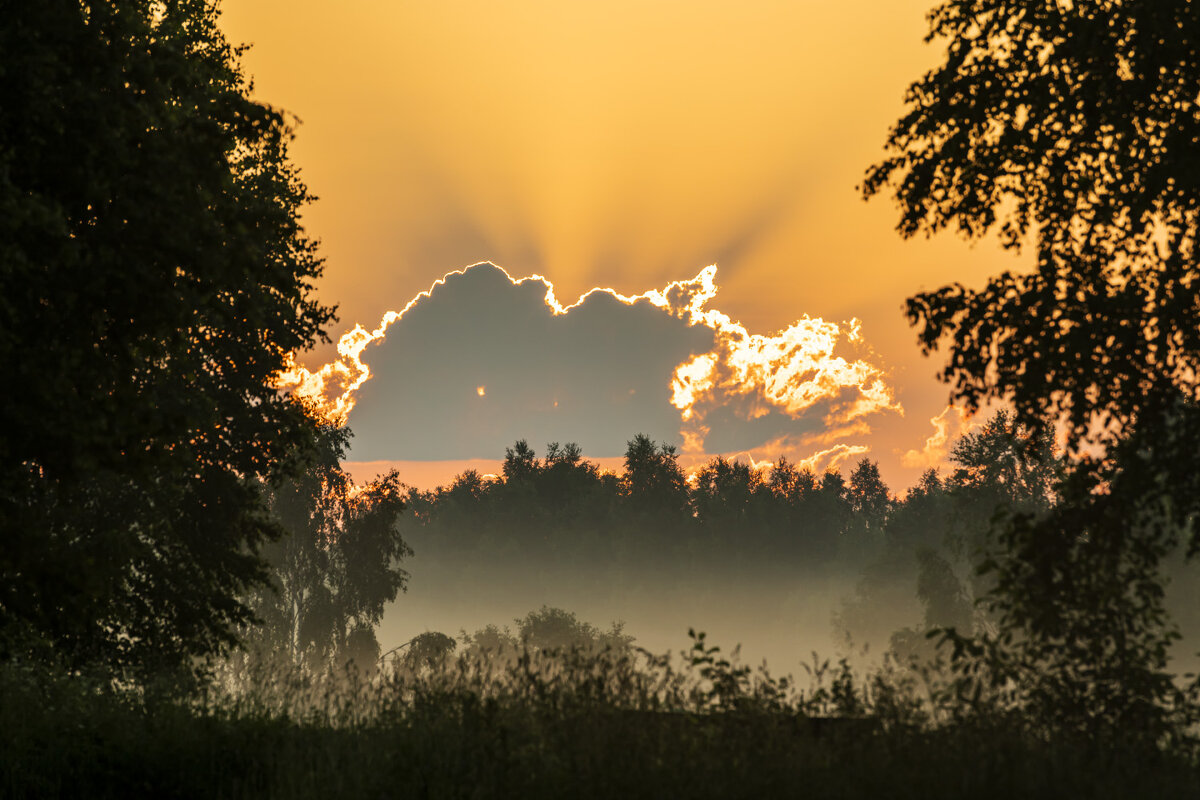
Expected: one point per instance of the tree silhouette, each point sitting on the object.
(336, 565)
(868, 496)
(520, 463)
(428, 650)
(154, 277)
(789, 484)
(1073, 126)
(936, 536)
(653, 482)
(725, 493)
(557, 629)
(569, 483)
(1006, 463)
(925, 516)
(830, 515)
(1002, 469)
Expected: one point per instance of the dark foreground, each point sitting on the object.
(530, 734)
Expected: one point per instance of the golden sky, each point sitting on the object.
(617, 144)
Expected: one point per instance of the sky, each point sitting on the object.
(696, 162)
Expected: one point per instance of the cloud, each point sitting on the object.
(769, 382)
(948, 426)
(833, 458)
(482, 359)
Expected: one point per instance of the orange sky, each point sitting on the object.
(622, 144)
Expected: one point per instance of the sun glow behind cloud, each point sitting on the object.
(790, 373)
(614, 144)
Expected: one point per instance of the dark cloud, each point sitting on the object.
(730, 431)
(607, 364)
(482, 359)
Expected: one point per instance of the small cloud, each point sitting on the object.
(948, 426)
(833, 458)
(792, 375)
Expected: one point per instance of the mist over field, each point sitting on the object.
(782, 618)
(778, 561)
(780, 613)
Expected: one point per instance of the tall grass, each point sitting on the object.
(581, 723)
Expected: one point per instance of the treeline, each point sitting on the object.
(728, 508)
(894, 566)
(730, 517)
(347, 550)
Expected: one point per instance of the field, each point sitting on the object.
(578, 724)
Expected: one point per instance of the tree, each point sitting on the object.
(555, 629)
(1004, 463)
(1079, 599)
(789, 484)
(725, 492)
(429, 650)
(154, 277)
(1073, 125)
(1003, 468)
(520, 463)
(653, 482)
(868, 496)
(946, 607)
(923, 518)
(334, 568)
(829, 515)
(569, 484)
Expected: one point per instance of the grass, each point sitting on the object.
(580, 724)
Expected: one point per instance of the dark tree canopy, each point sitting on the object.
(653, 480)
(335, 567)
(153, 275)
(1015, 464)
(1073, 125)
(868, 495)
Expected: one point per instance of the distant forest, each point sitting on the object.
(729, 511)
(731, 521)
(342, 560)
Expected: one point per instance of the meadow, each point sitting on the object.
(579, 723)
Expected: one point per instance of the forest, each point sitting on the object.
(670, 539)
(193, 590)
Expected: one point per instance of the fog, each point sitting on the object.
(775, 617)
(779, 562)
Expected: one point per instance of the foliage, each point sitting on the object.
(943, 528)
(428, 650)
(653, 481)
(592, 725)
(563, 506)
(558, 629)
(1002, 468)
(868, 496)
(489, 641)
(724, 492)
(1074, 124)
(1083, 633)
(153, 278)
(1071, 124)
(547, 631)
(1003, 463)
(334, 568)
